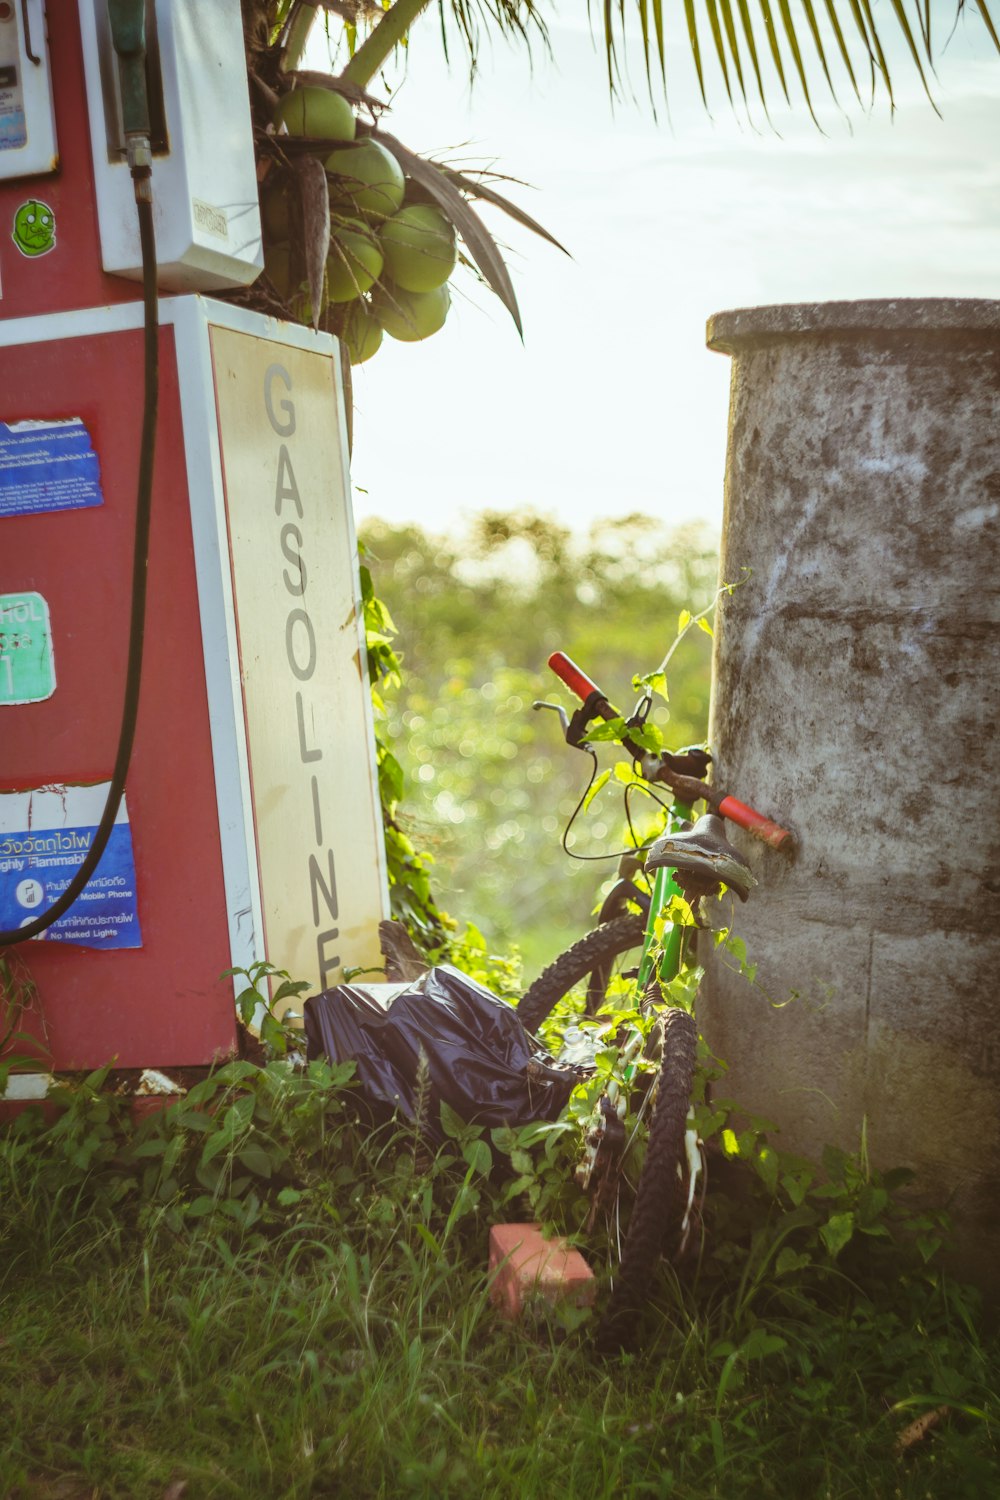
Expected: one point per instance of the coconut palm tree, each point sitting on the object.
(754, 48)
(735, 37)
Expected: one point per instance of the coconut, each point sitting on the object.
(354, 261)
(410, 316)
(315, 112)
(419, 247)
(367, 180)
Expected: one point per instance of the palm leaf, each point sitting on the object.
(796, 51)
(660, 42)
(907, 31)
(734, 46)
(692, 27)
(987, 22)
(478, 240)
(866, 21)
(852, 22)
(479, 189)
(609, 44)
(720, 51)
(315, 195)
(838, 32)
(771, 33)
(859, 21)
(751, 43)
(813, 25)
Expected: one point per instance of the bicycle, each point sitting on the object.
(690, 862)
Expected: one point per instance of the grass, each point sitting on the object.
(177, 1324)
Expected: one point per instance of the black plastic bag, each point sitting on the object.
(480, 1059)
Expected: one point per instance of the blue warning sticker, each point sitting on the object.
(47, 466)
(45, 835)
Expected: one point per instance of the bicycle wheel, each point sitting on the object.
(656, 1213)
(593, 955)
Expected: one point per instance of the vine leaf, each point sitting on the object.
(315, 197)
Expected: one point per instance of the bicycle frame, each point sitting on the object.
(665, 888)
(661, 956)
(690, 862)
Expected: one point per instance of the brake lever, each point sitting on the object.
(556, 709)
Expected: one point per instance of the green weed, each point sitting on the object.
(261, 1292)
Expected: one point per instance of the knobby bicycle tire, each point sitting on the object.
(656, 1214)
(594, 953)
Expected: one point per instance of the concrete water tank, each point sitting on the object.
(856, 698)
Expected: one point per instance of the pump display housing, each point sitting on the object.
(206, 209)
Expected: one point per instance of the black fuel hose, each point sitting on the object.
(140, 562)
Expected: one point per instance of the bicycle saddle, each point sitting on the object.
(704, 858)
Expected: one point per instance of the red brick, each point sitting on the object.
(525, 1265)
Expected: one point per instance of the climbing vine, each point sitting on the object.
(410, 890)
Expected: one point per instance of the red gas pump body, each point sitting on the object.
(70, 274)
(162, 1003)
(70, 348)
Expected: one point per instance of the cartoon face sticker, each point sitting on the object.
(34, 231)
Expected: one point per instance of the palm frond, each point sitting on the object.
(806, 41)
(520, 20)
(440, 186)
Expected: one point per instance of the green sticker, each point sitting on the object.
(27, 666)
(34, 231)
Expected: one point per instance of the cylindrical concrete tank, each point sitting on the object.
(857, 698)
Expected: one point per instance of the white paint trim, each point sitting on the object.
(379, 831)
(192, 318)
(47, 328)
(27, 1086)
(119, 317)
(227, 727)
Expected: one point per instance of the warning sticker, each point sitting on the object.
(27, 667)
(45, 835)
(47, 466)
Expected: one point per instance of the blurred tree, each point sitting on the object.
(493, 784)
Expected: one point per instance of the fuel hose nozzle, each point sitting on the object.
(128, 33)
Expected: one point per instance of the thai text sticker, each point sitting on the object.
(47, 466)
(45, 835)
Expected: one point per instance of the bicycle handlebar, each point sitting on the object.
(690, 788)
(754, 822)
(577, 681)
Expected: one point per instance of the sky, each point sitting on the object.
(613, 404)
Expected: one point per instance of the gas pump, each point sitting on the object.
(187, 776)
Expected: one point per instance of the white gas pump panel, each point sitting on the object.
(27, 120)
(204, 175)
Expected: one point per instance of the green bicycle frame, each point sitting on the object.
(665, 887)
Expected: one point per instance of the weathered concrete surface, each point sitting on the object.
(857, 698)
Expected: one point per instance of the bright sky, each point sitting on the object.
(613, 404)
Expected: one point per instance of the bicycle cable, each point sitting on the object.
(613, 853)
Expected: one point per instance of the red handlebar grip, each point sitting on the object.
(755, 823)
(577, 681)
